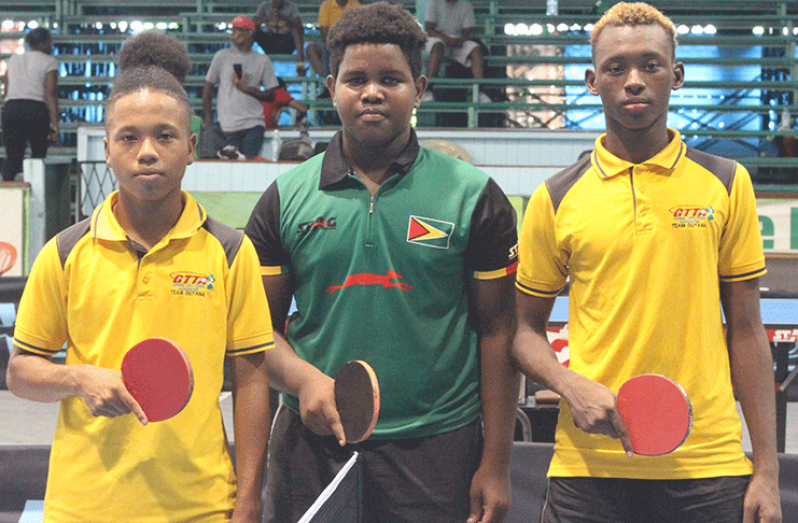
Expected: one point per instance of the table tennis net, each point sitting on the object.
(341, 501)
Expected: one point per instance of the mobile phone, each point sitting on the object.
(237, 69)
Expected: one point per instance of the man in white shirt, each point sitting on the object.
(246, 79)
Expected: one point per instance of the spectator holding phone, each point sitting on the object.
(245, 79)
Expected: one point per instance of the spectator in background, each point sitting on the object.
(283, 32)
(282, 99)
(246, 79)
(162, 50)
(329, 13)
(449, 24)
(30, 112)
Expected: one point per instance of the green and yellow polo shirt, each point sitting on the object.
(385, 279)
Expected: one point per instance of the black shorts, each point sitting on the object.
(611, 500)
(274, 43)
(415, 480)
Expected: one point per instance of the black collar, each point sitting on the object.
(335, 168)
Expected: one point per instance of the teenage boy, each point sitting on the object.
(122, 276)
(653, 236)
(403, 257)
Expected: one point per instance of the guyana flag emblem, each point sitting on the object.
(429, 232)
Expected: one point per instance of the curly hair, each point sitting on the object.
(150, 77)
(37, 37)
(377, 23)
(155, 48)
(633, 14)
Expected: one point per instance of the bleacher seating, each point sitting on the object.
(738, 84)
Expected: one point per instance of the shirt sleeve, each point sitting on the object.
(263, 9)
(214, 69)
(249, 320)
(543, 265)
(52, 65)
(263, 229)
(324, 15)
(268, 79)
(492, 250)
(469, 22)
(430, 15)
(741, 254)
(41, 324)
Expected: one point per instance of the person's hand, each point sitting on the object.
(317, 408)
(300, 68)
(240, 83)
(594, 409)
(52, 136)
(490, 495)
(104, 392)
(762, 501)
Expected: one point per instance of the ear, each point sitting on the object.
(421, 87)
(590, 81)
(331, 87)
(107, 152)
(192, 148)
(678, 75)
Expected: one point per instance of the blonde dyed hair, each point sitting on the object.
(634, 14)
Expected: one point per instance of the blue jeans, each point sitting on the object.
(248, 141)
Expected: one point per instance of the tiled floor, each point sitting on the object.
(28, 423)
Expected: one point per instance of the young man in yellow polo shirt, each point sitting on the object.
(112, 280)
(653, 237)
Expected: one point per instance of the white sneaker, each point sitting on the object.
(484, 98)
(427, 96)
(230, 152)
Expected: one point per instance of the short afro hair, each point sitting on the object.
(377, 23)
(634, 14)
(150, 78)
(155, 48)
(37, 37)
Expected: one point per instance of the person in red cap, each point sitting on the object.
(245, 79)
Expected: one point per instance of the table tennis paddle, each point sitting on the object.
(657, 413)
(158, 375)
(357, 398)
(8, 256)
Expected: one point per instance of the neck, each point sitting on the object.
(147, 223)
(371, 163)
(636, 146)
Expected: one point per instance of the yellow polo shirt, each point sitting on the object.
(89, 288)
(330, 12)
(644, 247)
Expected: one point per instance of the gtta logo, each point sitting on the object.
(686, 216)
(186, 283)
(366, 278)
(319, 223)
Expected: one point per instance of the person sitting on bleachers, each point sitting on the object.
(283, 100)
(282, 31)
(329, 13)
(449, 24)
